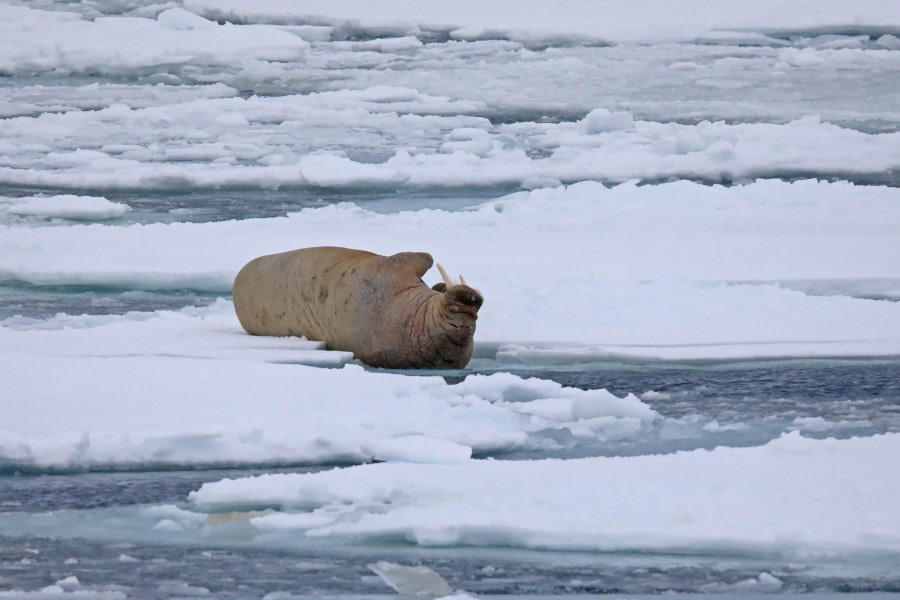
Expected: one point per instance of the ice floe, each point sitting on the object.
(222, 397)
(645, 21)
(189, 388)
(768, 499)
(68, 207)
(302, 141)
(37, 41)
(691, 270)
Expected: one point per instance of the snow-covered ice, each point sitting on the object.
(69, 207)
(38, 40)
(641, 182)
(765, 499)
(623, 281)
(692, 270)
(210, 409)
(607, 21)
(301, 142)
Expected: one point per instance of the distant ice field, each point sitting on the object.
(277, 111)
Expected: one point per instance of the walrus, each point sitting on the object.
(376, 307)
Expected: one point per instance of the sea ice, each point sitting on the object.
(648, 21)
(33, 40)
(768, 499)
(415, 580)
(303, 141)
(224, 397)
(672, 270)
(587, 106)
(69, 207)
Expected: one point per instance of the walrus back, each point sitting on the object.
(290, 294)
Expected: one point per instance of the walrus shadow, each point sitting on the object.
(450, 376)
(483, 356)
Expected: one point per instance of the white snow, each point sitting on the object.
(574, 274)
(672, 270)
(219, 396)
(28, 99)
(300, 141)
(419, 129)
(37, 40)
(793, 495)
(73, 208)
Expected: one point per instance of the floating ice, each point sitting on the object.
(676, 270)
(418, 449)
(416, 580)
(226, 142)
(73, 208)
(219, 396)
(766, 499)
(535, 21)
(418, 96)
(34, 40)
(298, 415)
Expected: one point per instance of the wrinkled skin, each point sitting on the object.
(376, 307)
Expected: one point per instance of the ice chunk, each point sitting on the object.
(891, 42)
(601, 120)
(178, 18)
(416, 580)
(417, 449)
(75, 208)
(331, 170)
(69, 582)
(768, 498)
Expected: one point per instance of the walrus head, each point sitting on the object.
(456, 311)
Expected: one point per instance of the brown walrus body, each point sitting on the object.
(375, 306)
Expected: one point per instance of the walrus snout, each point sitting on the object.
(465, 296)
(459, 296)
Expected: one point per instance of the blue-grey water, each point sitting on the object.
(173, 571)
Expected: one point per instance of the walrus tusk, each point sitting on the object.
(447, 280)
(462, 280)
